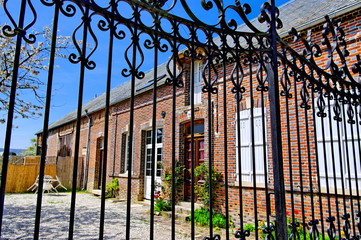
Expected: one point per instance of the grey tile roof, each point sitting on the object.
(295, 13)
(117, 94)
(305, 13)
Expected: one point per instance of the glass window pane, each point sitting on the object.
(159, 135)
(149, 137)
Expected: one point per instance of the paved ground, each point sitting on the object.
(19, 218)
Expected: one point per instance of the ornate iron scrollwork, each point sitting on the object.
(321, 105)
(174, 78)
(265, 15)
(242, 234)
(314, 233)
(20, 30)
(346, 225)
(294, 234)
(81, 49)
(331, 230)
(268, 231)
(335, 77)
(215, 237)
(358, 215)
(237, 76)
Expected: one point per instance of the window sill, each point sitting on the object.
(123, 175)
(246, 184)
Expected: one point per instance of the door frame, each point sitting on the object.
(198, 136)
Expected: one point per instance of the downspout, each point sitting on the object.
(87, 152)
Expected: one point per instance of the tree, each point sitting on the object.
(32, 62)
(30, 151)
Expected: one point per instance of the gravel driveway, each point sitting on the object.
(19, 218)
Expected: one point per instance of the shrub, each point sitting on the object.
(160, 203)
(167, 181)
(202, 218)
(202, 188)
(112, 188)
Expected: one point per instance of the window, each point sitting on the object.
(251, 150)
(126, 151)
(158, 151)
(65, 142)
(332, 150)
(197, 82)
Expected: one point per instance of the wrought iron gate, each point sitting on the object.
(278, 122)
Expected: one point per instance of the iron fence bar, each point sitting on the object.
(192, 145)
(83, 63)
(210, 149)
(264, 140)
(317, 159)
(287, 94)
(154, 129)
(174, 108)
(277, 158)
(106, 126)
(46, 119)
(322, 115)
(132, 67)
(359, 153)
(252, 150)
(20, 34)
(225, 129)
(358, 214)
(347, 230)
(313, 223)
(333, 164)
(299, 152)
(338, 118)
(242, 233)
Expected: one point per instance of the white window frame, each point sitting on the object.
(198, 82)
(148, 146)
(247, 149)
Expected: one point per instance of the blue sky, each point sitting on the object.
(65, 90)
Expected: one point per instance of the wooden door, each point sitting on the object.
(198, 159)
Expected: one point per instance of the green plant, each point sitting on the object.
(112, 188)
(296, 227)
(249, 227)
(202, 218)
(167, 181)
(202, 188)
(160, 203)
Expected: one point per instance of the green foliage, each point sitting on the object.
(299, 229)
(202, 188)
(162, 205)
(167, 181)
(30, 151)
(202, 218)
(112, 188)
(250, 227)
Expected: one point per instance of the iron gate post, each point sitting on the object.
(276, 139)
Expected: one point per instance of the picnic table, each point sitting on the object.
(50, 184)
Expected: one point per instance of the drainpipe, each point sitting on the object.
(87, 152)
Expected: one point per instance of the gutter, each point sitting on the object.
(87, 152)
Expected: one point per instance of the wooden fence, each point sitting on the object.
(22, 172)
(64, 170)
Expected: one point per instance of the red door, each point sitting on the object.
(198, 159)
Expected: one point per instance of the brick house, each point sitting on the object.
(253, 114)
